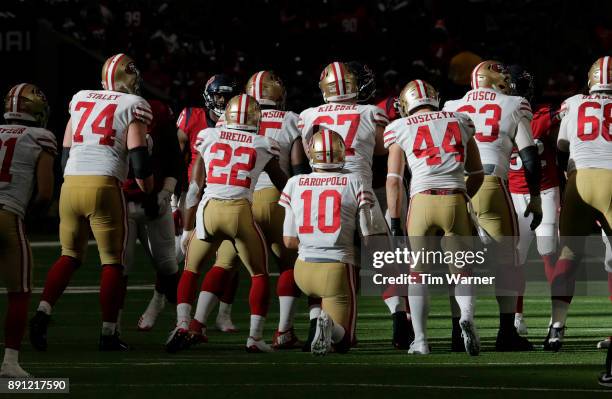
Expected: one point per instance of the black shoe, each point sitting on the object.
(311, 333)
(38, 330)
(457, 344)
(403, 334)
(605, 380)
(554, 339)
(178, 340)
(509, 340)
(112, 343)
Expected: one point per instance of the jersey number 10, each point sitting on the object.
(336, 199)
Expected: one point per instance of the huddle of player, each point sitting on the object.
(262, 179)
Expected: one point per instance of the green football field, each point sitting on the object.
(222, 369)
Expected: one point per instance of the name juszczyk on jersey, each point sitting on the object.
(425, 278)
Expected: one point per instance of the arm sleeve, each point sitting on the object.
(379, 116)
(182, 120)
(141, 111)
(47, 141)
(285, 197)
(390, 135)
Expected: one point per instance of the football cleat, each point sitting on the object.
(403, 334)
(510, 341)
(605, 380)
(38, 330)
(457, 344)
(519, 324)
(197, 334)
(554, 339)
(419, 348)
(322, 342)
(224, 323)
(257, 346)
(13, 370)
(285, 340)
(149, 317)
(177, 340)
(312, 329)
(604, 343)
(471, 341)
(112, 343)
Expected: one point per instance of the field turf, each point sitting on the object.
(222, 369)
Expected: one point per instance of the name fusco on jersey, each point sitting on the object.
(356, 124)
(324, 206)
(233, 161)
(100, 121)
(496, 117)
(19, 152)
(435, 144)
(586, 125)
(281, 126)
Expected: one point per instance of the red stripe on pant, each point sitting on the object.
(350, 270)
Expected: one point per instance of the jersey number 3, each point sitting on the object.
(102, 125)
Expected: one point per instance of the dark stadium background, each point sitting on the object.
(60, 44)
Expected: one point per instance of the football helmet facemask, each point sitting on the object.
(493, 75)
(415, 94)
(26, 102)
(327, 150)
(521, 82)
(217, 92)
(366, 82)
(600, 75)
(119, 73)
(267, 88)
(338, 83)
(243, 113)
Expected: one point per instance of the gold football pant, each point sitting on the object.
(230, 220)
(432, 216)
(588, 197)
(96, 202)
(269, 216)
(334, 283)
(15, 253)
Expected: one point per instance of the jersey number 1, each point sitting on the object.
(5, 171)
(103, 124)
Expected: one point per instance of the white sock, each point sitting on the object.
(11, 356)
(225, 309)
(559, 313)
(108, 328)
(158, 298)
(183, 315)
(257, 326)
(464, 298)
(396, 304)
(419, 307)
(45, 307)
(337, 333)
(286, 312)
(314, 312)
(518, 315)
(206, 303)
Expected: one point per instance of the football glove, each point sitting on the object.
(535, 208)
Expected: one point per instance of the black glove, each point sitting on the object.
(396, 227)
(151, 206)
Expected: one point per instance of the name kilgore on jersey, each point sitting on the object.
(496, 117)
(435, 144)
(356, 123)
(100, 121)
(586, 126)
(324, 207)
(20, 147)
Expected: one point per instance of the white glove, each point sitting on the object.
(185, 240)
(163, 201)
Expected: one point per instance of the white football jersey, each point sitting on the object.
(100, 121)
(586, 126)
(356, 124)
(20, 147)
(325, 207)
(233, 161)
(281, 126)
(496, 117)
(435, 144)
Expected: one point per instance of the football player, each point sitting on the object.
(320, 213)
(191, 121)
(439, 148)
(361, 127)
(502, 121)
(149, 215)
(107, 128)
(27, 161)
(584, 134)
(269, 91)
(545, 126)
(231, 159)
